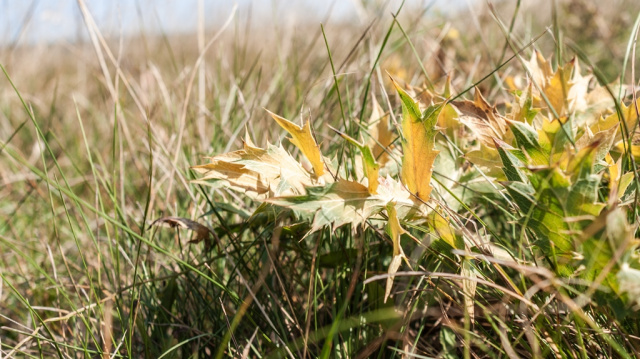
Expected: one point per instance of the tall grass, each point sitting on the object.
(97, 140)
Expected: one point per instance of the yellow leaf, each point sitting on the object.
(630, 118)
(418, 144)
(605, 139)
(395, 230)
(442, 228)
(618, 180)
(394, 66)
(487, 157)
(522, 109)
(450, 120)
(302, 138)
(557, 92)
(565, 89)
(381, 134)
(634, 149)
(614, 171)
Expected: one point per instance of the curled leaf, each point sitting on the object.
(482, 118)
(202, 233)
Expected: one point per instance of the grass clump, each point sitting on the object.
(467, 203)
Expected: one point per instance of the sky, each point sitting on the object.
(34, 21)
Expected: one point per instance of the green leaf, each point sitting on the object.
(527, 140)
(558, 205)
(448, 342)
(371, 167)
(523, 107)
(511, 163)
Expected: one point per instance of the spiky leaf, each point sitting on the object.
(258, 172)
(418, 145)
(302, 138)
(337, 204)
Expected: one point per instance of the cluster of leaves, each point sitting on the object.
(556, 163)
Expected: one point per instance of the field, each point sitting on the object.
(413, 184)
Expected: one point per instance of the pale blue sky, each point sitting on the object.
(60, 19)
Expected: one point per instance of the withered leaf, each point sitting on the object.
(202, 232)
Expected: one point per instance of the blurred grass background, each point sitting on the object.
(101, 143)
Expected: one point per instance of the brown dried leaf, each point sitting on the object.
(202, 233)
(382, 135)
(482, 119)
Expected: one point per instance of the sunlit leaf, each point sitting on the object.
(442, 229)
(527, 139)
(564, 89)
(418, 145)
(302, 138)
(395, 230)
(629, 115)
(382, 135)
(488, 158)
(511, 162)
(634, 150)
(522, 107)
(337, 204)
(554, 137)
(260, 173)
(604, 139)
(482, 119)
